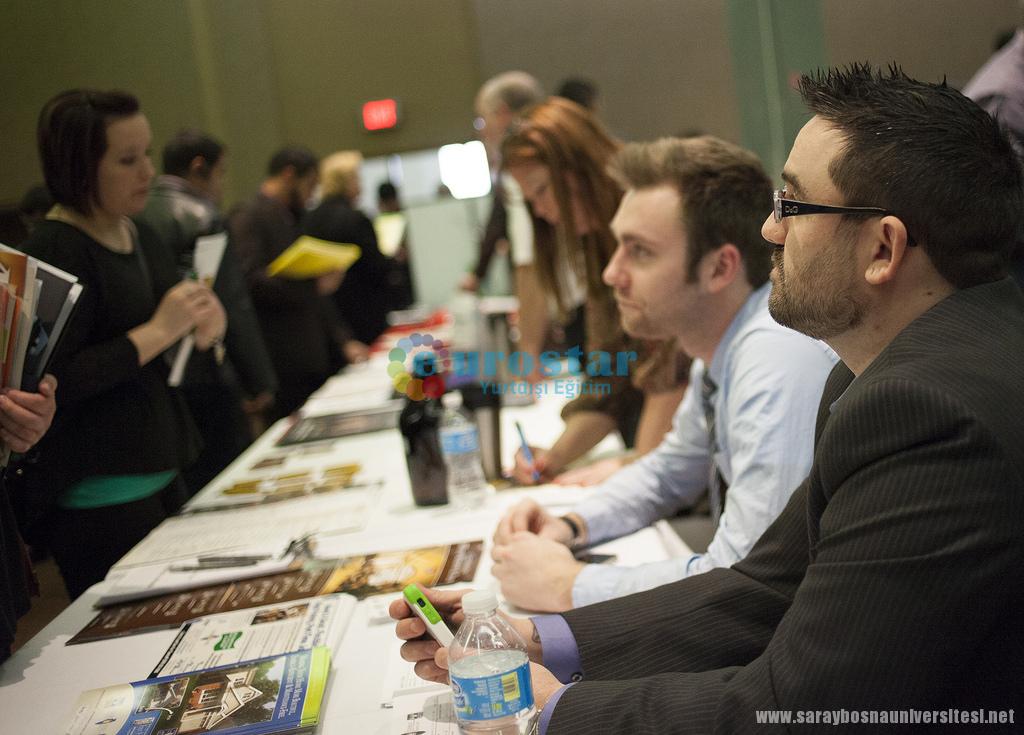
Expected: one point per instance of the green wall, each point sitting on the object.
(257, 73)
(773, 42)
(265, 73)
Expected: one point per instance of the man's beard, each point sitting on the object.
(821, 303)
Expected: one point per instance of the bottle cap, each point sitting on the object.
(452, 400)
(479, 602)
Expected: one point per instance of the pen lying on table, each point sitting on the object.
(227, 558)
(220, 563)
(299, 546)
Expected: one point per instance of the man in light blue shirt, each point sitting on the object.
(690, 264)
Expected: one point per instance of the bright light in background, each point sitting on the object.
(464, 169)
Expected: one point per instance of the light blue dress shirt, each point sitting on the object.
(770, 380)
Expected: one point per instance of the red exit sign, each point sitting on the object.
(380, 114)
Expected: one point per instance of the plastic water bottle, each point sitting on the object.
(490, 672)
(460, 444)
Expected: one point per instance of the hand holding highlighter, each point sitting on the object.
(420, 605)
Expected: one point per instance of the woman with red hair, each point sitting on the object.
(558, 153)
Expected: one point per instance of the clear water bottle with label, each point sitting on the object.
(460, 444)
(490, 672)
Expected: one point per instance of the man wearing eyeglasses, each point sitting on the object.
(891, 585)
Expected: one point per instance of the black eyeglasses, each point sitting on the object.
(794, 208)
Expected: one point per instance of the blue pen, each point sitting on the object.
(526, 451)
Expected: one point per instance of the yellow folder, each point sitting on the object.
(310, 257)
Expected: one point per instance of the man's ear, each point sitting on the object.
(888, 246)
(719, 268)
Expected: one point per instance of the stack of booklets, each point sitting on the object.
(36, 302)
(275, 695)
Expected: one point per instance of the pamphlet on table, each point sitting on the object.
(264, 489)
(361, 576)
(243, 635)
(267, 696)
(337, 425)
(267, 527)
(424, 713)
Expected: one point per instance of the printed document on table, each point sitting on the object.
(137, 583)
(401, 680)
(243, 635)
(267, 527)
(424, 713)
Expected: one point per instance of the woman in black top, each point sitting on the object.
(121, 436)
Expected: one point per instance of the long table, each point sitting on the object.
(41, 682)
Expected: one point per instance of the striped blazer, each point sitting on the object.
(894, 579)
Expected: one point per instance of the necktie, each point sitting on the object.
(716, 483)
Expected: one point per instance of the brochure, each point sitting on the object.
(337, 425)
(18, 278)
(294, 484)
(390, 571)
(311, 257)
(266, 696)
(36, 302)
(248, 529)
(360, 576)
(206, 261)
(429, 712)
(56, 303)
(243, 635)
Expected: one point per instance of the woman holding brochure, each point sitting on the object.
(109, 466)
(365, 296)
(558, 154)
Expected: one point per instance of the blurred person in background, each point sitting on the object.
(387, 198)
(366, 294)
(998, 87)
(499, 103)
(581, 91)
(33, 207)
(389, 204)
(300, 325)
(183, 205)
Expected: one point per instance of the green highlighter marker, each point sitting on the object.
(428, 614)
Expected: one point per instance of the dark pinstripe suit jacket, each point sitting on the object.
(894, 579)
